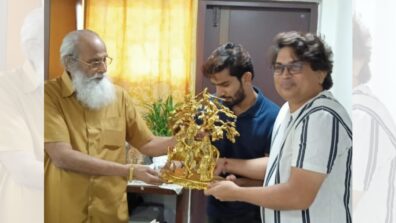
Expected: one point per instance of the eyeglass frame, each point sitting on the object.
(96, 64)
(298, 67)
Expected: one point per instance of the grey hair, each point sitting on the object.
(68, 46)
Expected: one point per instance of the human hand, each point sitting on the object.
(146, 174)
(221, 166)
(222, 190)
(173, 165)
(238, 181)
(232, 178)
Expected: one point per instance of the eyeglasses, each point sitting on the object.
(293, 68)
(97, 63)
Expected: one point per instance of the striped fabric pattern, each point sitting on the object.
(318, 139)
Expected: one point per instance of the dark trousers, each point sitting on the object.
(250, 217)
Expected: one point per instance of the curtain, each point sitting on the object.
(152, 44)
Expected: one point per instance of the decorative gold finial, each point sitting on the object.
(197, 115)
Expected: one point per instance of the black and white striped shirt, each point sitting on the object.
(317, 137)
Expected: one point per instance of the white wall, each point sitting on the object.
(335, 24)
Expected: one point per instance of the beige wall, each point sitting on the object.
(17, 10)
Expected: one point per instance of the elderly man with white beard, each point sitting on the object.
(87, 121)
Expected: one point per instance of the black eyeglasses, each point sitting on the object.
(293, 68)
(97, 63)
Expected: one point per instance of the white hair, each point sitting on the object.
(69, 43)
(68, 46)
(94, 94)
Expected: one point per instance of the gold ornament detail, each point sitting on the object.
(191, 163)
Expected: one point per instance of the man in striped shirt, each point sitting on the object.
(307, 177)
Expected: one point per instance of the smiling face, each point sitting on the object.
(299, 87)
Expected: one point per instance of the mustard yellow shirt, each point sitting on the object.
(72, 197)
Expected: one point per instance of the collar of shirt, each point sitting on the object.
(296, 113)
(252, 111)
(67, 85)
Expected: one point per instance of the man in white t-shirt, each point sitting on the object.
(307, 177)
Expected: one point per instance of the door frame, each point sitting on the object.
(203, 4)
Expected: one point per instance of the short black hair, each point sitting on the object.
(232, 56)
(308, 48)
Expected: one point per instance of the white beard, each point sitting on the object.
(91, 92)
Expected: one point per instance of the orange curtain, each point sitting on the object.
(152, 44)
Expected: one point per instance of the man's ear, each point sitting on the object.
(322, 76)
(68, 62)
(247, 77)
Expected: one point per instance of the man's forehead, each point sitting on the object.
(286, 55)
(222, 79)
(221, 75)
(91, 48)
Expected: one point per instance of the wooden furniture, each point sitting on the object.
(182, 198)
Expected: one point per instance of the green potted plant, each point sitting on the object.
(158, 114)
(157, 117)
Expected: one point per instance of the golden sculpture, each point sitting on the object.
(191, 163)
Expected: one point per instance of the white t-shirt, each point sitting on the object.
(317, 137)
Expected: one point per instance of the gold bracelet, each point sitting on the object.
(131, 169)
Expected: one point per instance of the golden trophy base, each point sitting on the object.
(193, 182)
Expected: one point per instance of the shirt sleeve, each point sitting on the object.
(137, 132)
(317, 142)
(55, 128)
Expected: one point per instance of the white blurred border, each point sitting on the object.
(3, 26)
(21, 111)
(374, 159)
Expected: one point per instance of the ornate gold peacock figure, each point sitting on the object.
(195, 123)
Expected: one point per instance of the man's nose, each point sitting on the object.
(102, 68)
(219, 91)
